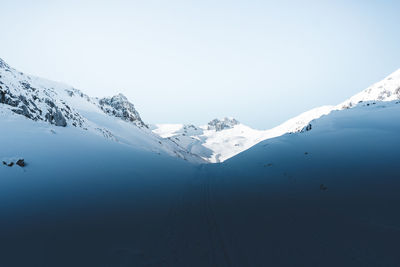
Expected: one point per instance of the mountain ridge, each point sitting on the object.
(62, 105)
(217, 146)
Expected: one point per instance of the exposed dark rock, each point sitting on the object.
(27, 86)
(56, 118)
(119, 106)
(59, 119)
(20, 162)
(23, 111)
(307, 128)
(219, 125)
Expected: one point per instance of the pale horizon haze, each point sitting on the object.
(261, 62)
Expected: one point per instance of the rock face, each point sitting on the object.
(10, 163)
(114, 118)
(120, 107)
(3, 64)
(20, 162)
(24, 96)
(219, 125)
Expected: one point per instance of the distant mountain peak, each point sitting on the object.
(222, 124)
(114, 118)
(119, 106)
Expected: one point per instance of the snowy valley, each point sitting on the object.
(116, 119)
(230, 137)
(98, 186)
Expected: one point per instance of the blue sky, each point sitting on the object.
(262, 62)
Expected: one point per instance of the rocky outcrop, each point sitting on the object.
(219, 125)
(307, 128)
(19, 162)
(3, 64)
(119, 106)
(33, 101)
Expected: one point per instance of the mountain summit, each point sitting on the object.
(120, 107)
(219, 125)
(116, 118)
(60, 105)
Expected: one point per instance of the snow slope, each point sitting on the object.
(114, 118)
(386, 90)
(323, 197)
(218, 145)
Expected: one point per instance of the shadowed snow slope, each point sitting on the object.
(100, 189)
(217, 144)
(323, 197)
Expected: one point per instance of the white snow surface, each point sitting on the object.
(116, 119)
(324, 195)
(218, 146)
(113, 118)
(294, 200)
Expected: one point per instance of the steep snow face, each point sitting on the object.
(386, 90)
(113, 118)
(35, 99)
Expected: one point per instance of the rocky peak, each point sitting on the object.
(3, 64)
(219, 125)
(119, 106)
(25, 96)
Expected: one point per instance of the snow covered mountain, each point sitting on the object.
(96, 187)
(386, 90)
(60, 105)
(220, 140)
(322, 197)
(115, 118)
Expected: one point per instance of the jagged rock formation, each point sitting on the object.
(61, 105)
(120, 107)
(25, 97)
(219, 125)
